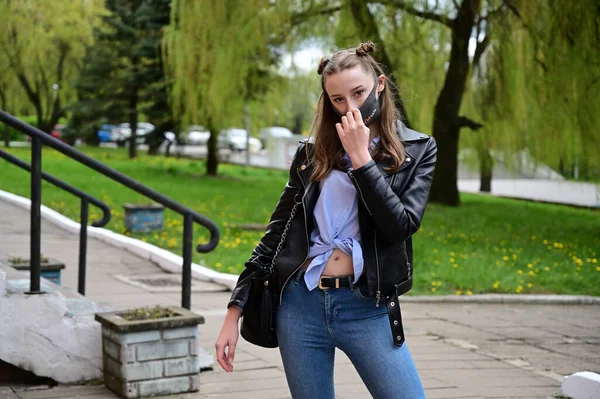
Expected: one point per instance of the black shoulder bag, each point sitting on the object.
(258, 319)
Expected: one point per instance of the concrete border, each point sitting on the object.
(171, 262)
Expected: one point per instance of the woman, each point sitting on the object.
(347, 255)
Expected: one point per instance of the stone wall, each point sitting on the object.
(151, 362)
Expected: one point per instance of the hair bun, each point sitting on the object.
(322, 64)
(365, 48)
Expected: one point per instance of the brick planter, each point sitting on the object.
(150, 357)
(49, 268)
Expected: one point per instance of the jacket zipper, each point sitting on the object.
(378, 294)
(307, 240)
(360, 192)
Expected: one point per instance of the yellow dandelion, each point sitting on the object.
(496, 284)
(433, 289)
(529, 285)
(459, 292)
(519, 271)
(547, 268)
(529, 265)
(451, 260)
(519, 289)
(531, 273)
(505, 258)
(469, 292)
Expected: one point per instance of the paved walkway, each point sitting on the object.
(461, 350)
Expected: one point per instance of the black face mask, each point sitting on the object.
(370, 108)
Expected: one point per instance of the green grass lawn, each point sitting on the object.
(488, 245)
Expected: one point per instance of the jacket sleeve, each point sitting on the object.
(399, 216)
(262, 254)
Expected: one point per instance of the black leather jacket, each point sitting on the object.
(391, 207)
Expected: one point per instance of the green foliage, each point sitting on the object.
(22, 261)
(210, 62)
(42, 43)
(479, 247)
(148, 313)
(535, 90)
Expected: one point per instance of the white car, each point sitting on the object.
(122, 133)
(235, 140)
(197, 135)
(272, 132)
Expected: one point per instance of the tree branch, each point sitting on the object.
(463, 121)
(496, 11)
(298, 18)
(429, 15)
(479, 50)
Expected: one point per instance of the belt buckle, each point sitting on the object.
(337, 283)
(321, 284)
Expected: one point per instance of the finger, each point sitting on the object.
(220, 355)
(340, 129)
(231, 354)
(358, 117)
(345, 122)
(221, 358)
(351, 121)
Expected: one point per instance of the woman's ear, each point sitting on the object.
(380, 83)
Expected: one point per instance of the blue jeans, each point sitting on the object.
(311, 324)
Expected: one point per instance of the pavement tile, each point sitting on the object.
(443, 393)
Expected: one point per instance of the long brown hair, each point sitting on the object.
(328, 149)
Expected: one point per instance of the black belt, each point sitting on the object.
(326, 283)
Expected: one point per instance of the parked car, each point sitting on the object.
(272, 132)
(235, 140)
(196, 135)
(57, 132)
(104, 134)
(122, 133)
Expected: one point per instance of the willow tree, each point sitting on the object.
(535, 92)
(560, 42)
(211, 48)
(44, 42)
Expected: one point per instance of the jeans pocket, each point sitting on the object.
(363, 293)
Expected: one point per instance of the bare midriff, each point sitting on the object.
(338, 264)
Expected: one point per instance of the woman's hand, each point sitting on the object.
(228, 338)
(354, 136)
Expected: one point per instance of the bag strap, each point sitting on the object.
(284, 234)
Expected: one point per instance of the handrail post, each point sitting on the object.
(82, 245)
(35, 247)
(186, 278)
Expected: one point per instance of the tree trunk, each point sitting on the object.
(486, 164)
(6, 137)
(3, 106)
(133, 120)
(446, 126)
(212, 159)
(363, 18)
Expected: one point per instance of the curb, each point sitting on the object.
(166, 260)
(525, 299)
(171, 262)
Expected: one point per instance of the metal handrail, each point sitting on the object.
(86, 199)
(189, 216)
